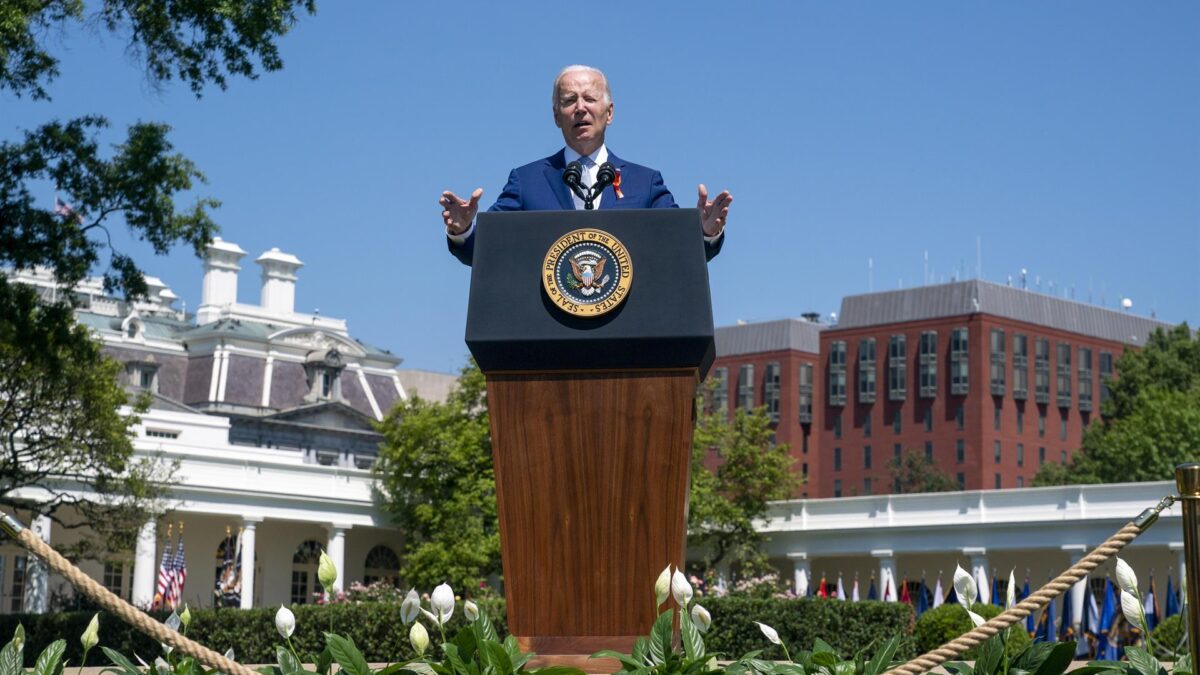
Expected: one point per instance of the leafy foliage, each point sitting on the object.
(1169, 635)
(945, 623)
(737, 469)
(435, 468)
(915, 472)
(1151, 420)
(656, 653)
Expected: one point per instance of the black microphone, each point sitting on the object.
(605, 176)
(572, 176)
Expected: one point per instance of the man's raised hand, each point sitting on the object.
(714, 213)
(458, 213)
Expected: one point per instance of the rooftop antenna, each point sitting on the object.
(1024, 272)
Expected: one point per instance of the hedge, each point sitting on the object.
(377, 630)
(945, 623)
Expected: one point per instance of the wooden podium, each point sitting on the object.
(591, 422)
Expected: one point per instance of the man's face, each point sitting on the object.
(581, 111)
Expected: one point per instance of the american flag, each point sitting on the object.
(178, 574)
(64, 209)
(164, 575)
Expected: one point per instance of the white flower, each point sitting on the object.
(662, 587)
(681, 589)
(410, 609)
(1131, 607)
(418, 637)
(772, 636)
(964, 587)
(471, 610)
(91, 635)
(171, 623)
(161, 666)
(285, 622)
(976, 619)
(229, 653)
(429, 615)
(326, 572)
(701, 618)
(1012, 590)
(442, 603)
(1126, 579)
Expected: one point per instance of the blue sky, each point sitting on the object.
(1062, 137)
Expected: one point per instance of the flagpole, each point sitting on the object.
(1187, 480)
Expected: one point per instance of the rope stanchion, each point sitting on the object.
(125, 611)
(1038, 600)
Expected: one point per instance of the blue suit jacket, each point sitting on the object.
(538, 186)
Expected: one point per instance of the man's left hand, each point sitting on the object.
(713, 213)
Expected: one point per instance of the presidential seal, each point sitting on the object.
(587, 273)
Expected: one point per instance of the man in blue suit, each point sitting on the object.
(583, 109)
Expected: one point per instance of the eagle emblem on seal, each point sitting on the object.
(587, 269)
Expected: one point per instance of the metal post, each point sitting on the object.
(1187, 480)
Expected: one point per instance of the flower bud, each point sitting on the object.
(701, 618)
(471, 610)
(91, 635)
(418, 637)
(772, 636)
(285, 622)
(662, 587)
(185, 617)
(1012, 590)
(326, 572)
(410, 609)
(1132, 609)
(442, 603)
(681, 589)
(1126, 578)
(964, 587)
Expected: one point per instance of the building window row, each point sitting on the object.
(837, 372)
(927, 364)
(806, 393)
(866, 371)
(745, 390)
(960, 364)
(999, 364)
(771, 391)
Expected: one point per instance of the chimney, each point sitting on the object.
(279, 281)
(220, 273)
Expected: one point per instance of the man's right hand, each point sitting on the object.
(458, 213)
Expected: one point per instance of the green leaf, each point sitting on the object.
(958, 668)
(465, 641)
(820, 646)
(1058, 660)
(457, 664)
(347, 655)
(845, 668)
(1143, 661)
(826, 659)
(882, 658)
(486, 628)
(324, 661)
(641, 650)
(626, 660)
(991, 653)
(124, 667)
(660, 637)
(49, 661)
(10, 659)
(287, 662)
(498, 657)
(693, 644)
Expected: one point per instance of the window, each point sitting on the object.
(771, 391)
(323, 368)
(929, 450)
(897, 368)
(1020, 420)
(304, 570)
(867, 486)
(20, 567)
(897, 449)
(114, 578)
(1041, 366)
(1085, 379)
(927, 366)
(806, 393)
(959, 362)
(161, 433)
(142, 375)
(960, 451)
(929, 418)
(1062, 426)
(1106, 373)
(1063, 371)
(1020, 481)
(837, 372)
(866, 371)
(998, 362)
(1020, 454)
(962, 480)
(867, 457)
(1041, 424)
(720, 392)
(996, 449)
(997, 481)
(867, 425)
(1041, 456)
(1063, 457)
(996, 416)
(960, 418)
(1020, 367)
(746, 386)
(837, 487)
(837, 425)
(897, 422)
(837, 459)
(382, 564)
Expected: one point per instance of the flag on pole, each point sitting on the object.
(922, 598)
(1172, 607)
(64, 209)
(822, 591)
(905, 596)
(984, 593)
(871, 594)
(1106, 649)
(1066, 633)
(841, 591)
(889, 589)
(164, 574)
(995, 587)
(1046, 631)
(1088, 633)
(855, 596)
(1150, 606)
(178, 573)
(938, 595)
(1029, 627)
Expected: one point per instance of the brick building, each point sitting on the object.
(987, 380)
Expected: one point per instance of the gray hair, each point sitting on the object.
(579, 69)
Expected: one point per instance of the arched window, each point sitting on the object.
(304, 571)
(382, 564)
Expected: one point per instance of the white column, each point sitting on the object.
(979, 570)
(1076, 553)
(801, 571)
(337, 553)
(1177, 547)
(37, 575)
(144, 572)
(249, 526)
(887, 574)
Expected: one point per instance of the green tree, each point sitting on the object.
(737, 469)
(60, 395)
(915, 472)
(1151, 420)
(435, 470)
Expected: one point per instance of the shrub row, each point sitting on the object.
(378, 631)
